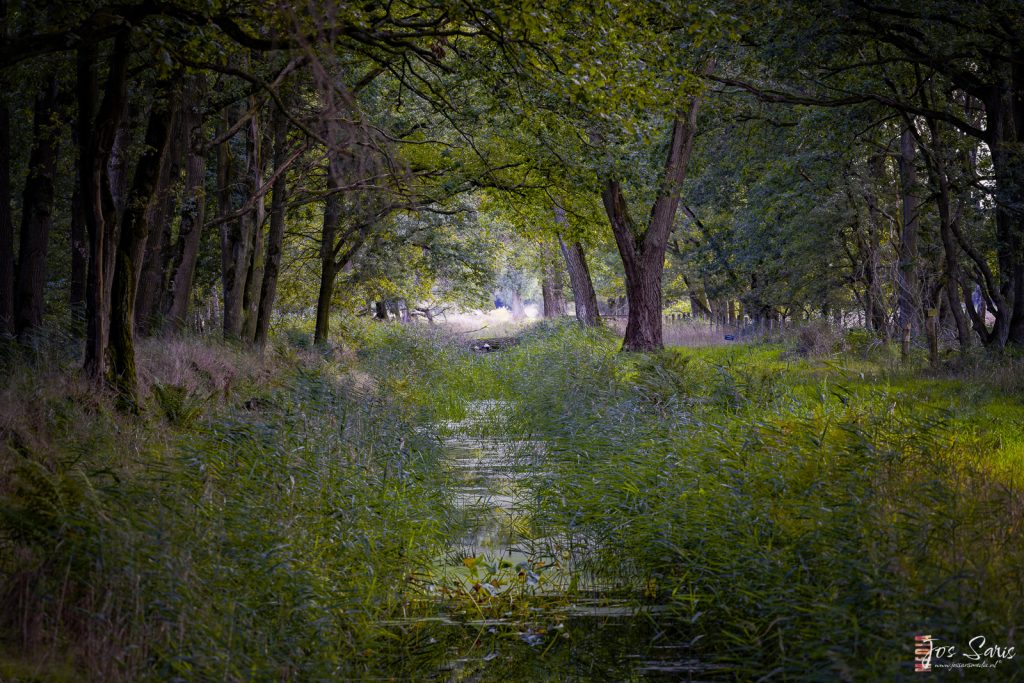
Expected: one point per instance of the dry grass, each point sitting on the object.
(685, 332)
(47, 403)
(198, 365)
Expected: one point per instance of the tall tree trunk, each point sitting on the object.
(254, 275)
(579, 281)
(874, 299)
(1005, 128)
(95, 138)
(516, 304)
(130, 245)
(548, 298)
(551, 282)
(328, 270)
(79, 256)
(236, 241)
(117, 179)
(643, 253)
(579, 275)
(193, 207)
(6, 220)
(36, 214)
(937, 169)
(275, 239)
(909, 285)
(156, 255)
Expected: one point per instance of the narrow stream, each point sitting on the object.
(513, 605)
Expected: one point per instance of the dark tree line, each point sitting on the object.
(848, 155)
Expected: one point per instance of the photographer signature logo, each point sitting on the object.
(929, 653)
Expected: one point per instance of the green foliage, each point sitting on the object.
(45, 508)
(180, 406)
(803, 519)
(269, 539)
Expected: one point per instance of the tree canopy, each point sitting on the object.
(846, 158)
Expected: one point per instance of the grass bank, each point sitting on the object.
(256, 522)
(804, 516)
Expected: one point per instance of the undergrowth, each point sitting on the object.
(800, 512)
(806, 518)
(256, 522)
(803, 517)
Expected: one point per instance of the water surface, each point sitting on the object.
(511, 601)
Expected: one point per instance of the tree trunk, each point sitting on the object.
(909, 285)
(547, 297)
(643, 253)
(699, 307)
(328, 270)
(275, 239)
(551, 282)
(951, 278)
(236, 241)
(79, 257)
(193, 208)
(516, 304)
(254, 275)
(579, 281)
(130, 245)
(95, 138)
(117, 179)
(874, 300)
(6, 220)
(380, 310)
(1005, 128)
(579, 276)
(156, 256)
(36, 214)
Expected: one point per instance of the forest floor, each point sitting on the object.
(399, 507)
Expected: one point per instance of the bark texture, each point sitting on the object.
(579, 275)
(95, 139)
(36, 214)
(328, 271)
(193, 208)
(275, 239)
(909, 284)
(130, 245)
(551, 282)
(237, 233)
(156, 256)
(6, 220)
(580, 283)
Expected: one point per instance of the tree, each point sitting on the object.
(643, 250)
(37, 213)
(134, 230)
(882, 53)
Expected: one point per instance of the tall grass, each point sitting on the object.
(804, 518)
(266, 539)
(794, 515)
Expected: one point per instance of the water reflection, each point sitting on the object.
(512, 606)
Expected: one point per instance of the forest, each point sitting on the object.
(511, 340)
